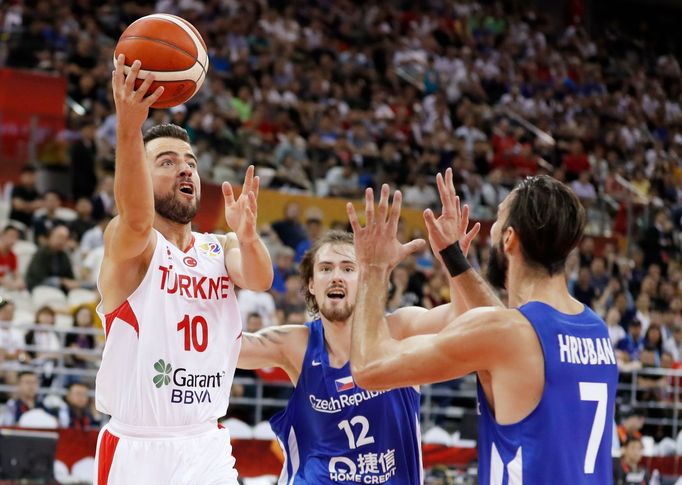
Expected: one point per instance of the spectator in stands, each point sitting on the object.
(575, 161)
(673, 345)
(254, 322)
(292, 300)
(633, 343)
(261, 303)
(44, 223)
(289, 230)
(83, 221)
(25, 400)
(94, 237)
(583, 291)
(83, 318)
(10, 278)
(658, 242)
(25, 197)
(11, 344)
(50, 265)
(47, 345)
(616, 332)
(421, 195)
(103, 200)
(632, 422)
(599, 277)
(76, 413)
(584, 189)
(400, 294)
(83, 155)
(629, 470)
(343, 179)
(283, 267)
(313, 229)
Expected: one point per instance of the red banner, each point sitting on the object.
(31, 117)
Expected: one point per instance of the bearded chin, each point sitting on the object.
(336, 314)
(171, 208)
(496, 272)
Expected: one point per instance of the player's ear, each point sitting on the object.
(310, 286)
(510, 239)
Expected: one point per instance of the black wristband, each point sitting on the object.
(454, 259)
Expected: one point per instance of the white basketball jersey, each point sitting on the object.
(172, 347)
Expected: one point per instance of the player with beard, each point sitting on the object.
(546, 370)
(173, 328)
(332, 430)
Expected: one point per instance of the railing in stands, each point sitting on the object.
(445, 401)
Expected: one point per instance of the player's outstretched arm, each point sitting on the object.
(446, 236)
(129, 233)
(246, 258)
(452, 226)
(281, 346)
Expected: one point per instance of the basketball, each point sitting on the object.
(170, 48)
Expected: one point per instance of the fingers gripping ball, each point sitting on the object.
(170, 48)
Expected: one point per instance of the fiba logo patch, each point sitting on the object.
(190, 261)
(210, 249)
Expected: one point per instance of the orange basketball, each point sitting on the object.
(170, 48)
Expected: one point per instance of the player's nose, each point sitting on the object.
(185, 170)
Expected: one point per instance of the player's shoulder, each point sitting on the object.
(497, 320)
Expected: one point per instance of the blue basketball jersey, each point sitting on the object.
(566, 439)
(334, 432)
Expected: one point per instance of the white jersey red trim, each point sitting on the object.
(172, 347)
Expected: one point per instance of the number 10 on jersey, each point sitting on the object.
(195, 332)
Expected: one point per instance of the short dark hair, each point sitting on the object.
(77, 383)
(549, 220)
(307, 266)
(10, 227)
(26, 373)
(166, 130)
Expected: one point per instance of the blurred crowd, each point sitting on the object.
(330, 97)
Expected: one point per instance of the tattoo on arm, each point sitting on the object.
(274, 335)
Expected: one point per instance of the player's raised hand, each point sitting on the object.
(241, 214)
(451, 226)
(377, 242)
(132, 107)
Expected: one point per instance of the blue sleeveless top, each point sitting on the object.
(566, 439)
(334, 432)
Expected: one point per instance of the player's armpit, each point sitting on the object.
(476, 341)
(123, 241)
(282, 346)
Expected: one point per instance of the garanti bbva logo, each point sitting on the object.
(163, 376)
(186, 387)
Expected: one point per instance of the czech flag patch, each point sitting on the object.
(344, 384)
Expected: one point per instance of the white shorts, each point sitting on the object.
(188, 455)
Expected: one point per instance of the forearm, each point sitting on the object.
(472, 291)
(133, 183)
(370, 333)
(256, 265)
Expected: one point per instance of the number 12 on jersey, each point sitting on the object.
(195, 332)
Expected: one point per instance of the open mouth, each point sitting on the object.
(336, 294)
(187, 188)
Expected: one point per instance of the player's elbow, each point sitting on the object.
(139, 222)
(260, 283)
(365, 376)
